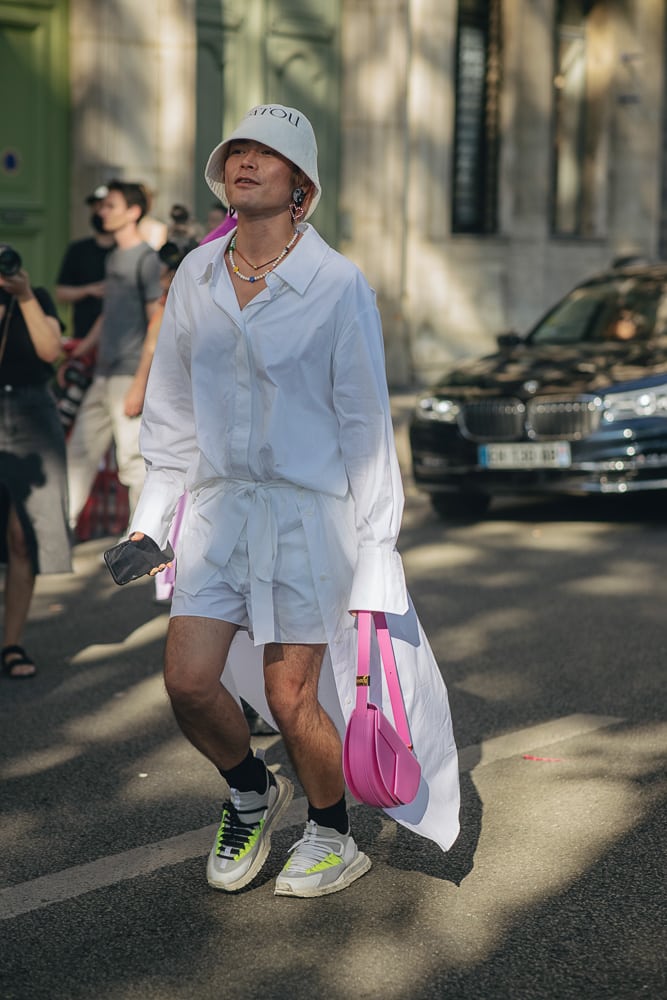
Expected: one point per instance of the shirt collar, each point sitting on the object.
(303, 262)
(297, 270)
(215, 263)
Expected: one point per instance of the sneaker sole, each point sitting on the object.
(359, 867)
(285, 793)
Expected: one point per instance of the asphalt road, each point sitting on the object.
(548, 621)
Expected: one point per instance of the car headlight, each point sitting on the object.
(434, 408)
(639, 403)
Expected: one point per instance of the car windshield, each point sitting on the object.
(618, 309)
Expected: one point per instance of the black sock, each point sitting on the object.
(334, 816)
(248, 776)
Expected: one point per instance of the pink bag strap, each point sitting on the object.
(389, 664)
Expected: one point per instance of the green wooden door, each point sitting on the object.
(255, 51)
(34, 133)
(209, 96)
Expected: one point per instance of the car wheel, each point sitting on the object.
(458, 506)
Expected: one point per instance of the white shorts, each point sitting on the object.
(286, 602)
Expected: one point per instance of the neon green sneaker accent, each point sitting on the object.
(330, 861)
(241, 850)
(323, 861)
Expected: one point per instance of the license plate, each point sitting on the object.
(552, 455)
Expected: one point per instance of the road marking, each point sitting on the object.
(524, 740)
(72, 882)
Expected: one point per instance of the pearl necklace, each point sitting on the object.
(273, 264)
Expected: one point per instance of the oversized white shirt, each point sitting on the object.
(291, 389)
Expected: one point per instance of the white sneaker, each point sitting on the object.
(323, 861)
(241, 848)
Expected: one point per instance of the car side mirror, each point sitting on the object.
(509, 339)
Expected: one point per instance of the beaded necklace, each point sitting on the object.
(272, 264)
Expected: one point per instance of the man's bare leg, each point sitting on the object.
(209, 717)
(197, 650)
(326, 859)
(291, 676)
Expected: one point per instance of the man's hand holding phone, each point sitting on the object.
(137, 556)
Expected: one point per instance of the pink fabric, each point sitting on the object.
(229, 222)
(164, 581)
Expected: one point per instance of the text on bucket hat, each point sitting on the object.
(286, 130)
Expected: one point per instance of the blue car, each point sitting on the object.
(577, 405)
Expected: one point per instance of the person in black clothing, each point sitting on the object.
(33, 480)
(80, 280)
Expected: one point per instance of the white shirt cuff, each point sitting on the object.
(157, 504)
(379, 582)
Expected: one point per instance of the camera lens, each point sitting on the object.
(10, 262)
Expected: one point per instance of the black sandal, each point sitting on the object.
(20, 659)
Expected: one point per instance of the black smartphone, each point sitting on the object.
(130, 560)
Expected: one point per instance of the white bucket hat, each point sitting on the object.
(286, 130)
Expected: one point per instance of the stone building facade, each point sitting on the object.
(478, 156)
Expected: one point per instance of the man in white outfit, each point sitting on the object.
(267, 401)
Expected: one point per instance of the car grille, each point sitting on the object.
(501, 419)
(548, 417)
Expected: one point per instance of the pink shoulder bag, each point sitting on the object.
(379, 765)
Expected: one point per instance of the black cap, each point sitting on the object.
(100, 192)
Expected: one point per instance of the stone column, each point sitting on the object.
(375, 49)
(132, 69)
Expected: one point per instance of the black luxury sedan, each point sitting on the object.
(576, 405)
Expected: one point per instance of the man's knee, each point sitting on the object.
(192, 669)
(188, 676)
(286, 701)
(292, 692)
(188, 687)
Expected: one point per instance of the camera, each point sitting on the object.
(172, 253)
(10, 262)
(78, 376)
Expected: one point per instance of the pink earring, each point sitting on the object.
(296, 205)
(296, 212)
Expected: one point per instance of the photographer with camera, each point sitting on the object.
(80, 284)
(33, 479)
